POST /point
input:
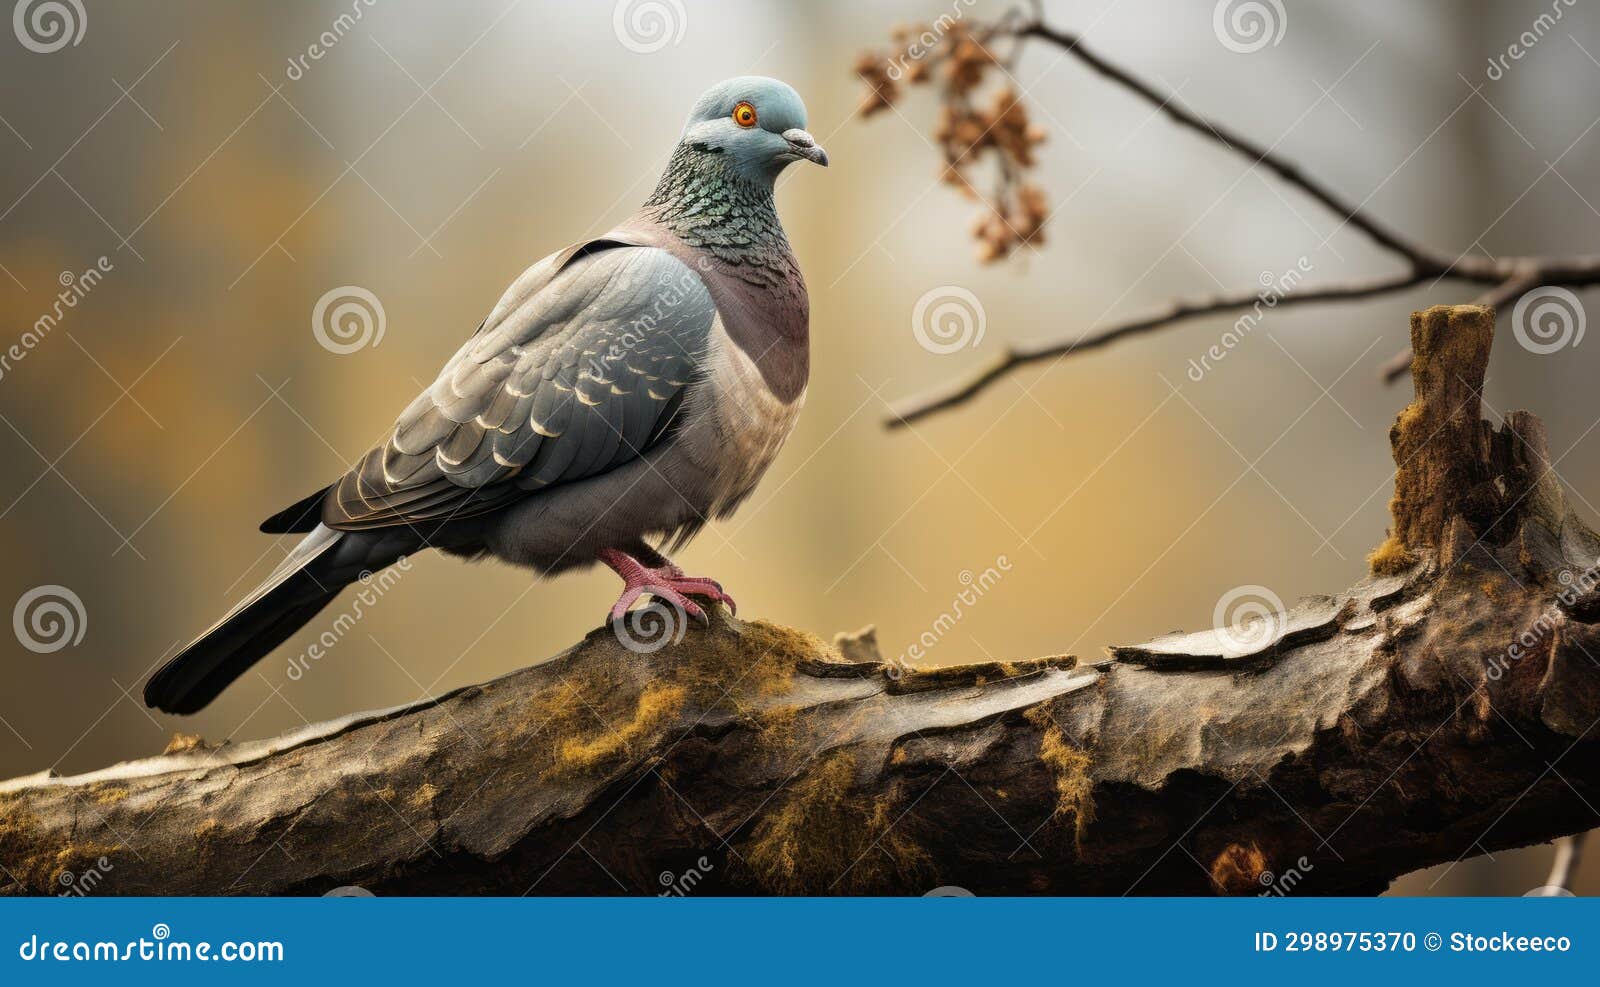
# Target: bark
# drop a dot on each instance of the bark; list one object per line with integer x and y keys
{"x": 1442, "y": 707}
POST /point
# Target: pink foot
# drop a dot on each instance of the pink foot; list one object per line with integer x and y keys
{"x": 666, "y": 582}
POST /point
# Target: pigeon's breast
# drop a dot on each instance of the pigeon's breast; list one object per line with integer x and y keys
{"x": 759, "y": 293}
{"x": 736, "y": 423}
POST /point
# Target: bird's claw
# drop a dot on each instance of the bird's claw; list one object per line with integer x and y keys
{"x": 620, "y": 608}
{"x": 667, "y": 583}
{"x": 675, "y": 595}
{"x": 708, "y": 588}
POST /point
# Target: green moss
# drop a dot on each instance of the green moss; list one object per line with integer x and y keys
{"x": 24, "y": 854}
{"x": 611, "y": 703}
{"x": 827, "y": 838}
{"x": 1070, "y": 766}
{"x": 423, "y": 797}
{"x": 657, "y": 705}
{"x": 74, "y": 859}
{"x": 107, "y": 795}
{"x": 16, "y": 834}
{"x": 1391, "y": 558}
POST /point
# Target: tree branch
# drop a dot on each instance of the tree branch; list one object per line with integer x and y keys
{"x": 1443, "y": 707}
{"x": 1510, "y": 275}
{"x": 1020, "y": 354}
{"x": 1167, "y": 103}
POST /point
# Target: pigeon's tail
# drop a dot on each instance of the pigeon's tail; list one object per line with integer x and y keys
{"x": 297, "y": 590}
{"x": 298, "y": 518}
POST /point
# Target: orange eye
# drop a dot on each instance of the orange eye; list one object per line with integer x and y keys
{"x": 744, "y": 115}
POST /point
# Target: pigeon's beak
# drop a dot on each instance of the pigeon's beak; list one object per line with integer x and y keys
{"x": 803, "y": 145}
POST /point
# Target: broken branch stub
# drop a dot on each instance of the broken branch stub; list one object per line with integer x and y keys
{"x": 1462, "y": 485}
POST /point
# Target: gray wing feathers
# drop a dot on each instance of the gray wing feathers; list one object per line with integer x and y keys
{"x": 577, "y": 378}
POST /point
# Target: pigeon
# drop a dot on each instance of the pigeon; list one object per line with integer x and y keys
{"x": 622, "y": 393}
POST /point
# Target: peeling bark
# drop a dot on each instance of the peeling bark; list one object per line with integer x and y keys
{"x": 1443, "y": 707}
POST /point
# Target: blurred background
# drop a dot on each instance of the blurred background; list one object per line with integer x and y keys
{"x": 221, "y": 179}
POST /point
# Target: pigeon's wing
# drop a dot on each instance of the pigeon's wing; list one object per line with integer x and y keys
{"x": 572, "y": 375}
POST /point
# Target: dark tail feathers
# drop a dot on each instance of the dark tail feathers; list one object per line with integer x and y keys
{"x": 298, "y": 518}
{"x": 296, "y": 592}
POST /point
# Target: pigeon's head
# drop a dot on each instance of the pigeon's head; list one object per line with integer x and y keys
{"x": 758, "y": 123}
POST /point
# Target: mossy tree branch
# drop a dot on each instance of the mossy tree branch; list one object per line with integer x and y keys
{"x": 1441, "y": 708}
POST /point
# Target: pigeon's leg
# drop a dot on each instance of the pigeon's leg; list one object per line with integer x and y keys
{"x": 655, "y": 575}
{"x": 698, "y": 585}
{"x": 639, "y": 579}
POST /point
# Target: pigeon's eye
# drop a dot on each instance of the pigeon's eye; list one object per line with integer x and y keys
{"x": 744, "y": 115}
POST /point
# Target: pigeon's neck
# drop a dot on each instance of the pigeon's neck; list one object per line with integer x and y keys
{"x": 709, "y": 205}
{"x": 725, "y": 225}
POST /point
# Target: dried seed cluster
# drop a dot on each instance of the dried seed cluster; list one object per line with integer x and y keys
{"x": 961, "y": 57}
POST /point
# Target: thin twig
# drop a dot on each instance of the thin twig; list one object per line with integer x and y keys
{"x": 1021, "y": 354}
{"x": 1168, "y": 104}
{"x": 1509, "y": 276}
